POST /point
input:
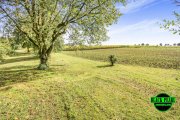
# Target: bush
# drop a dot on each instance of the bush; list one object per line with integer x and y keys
{"x": 112, "y": 59}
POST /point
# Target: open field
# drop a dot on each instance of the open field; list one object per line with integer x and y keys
{"x": 73, "y": 48}
{"x": 77, "y": 88}
{"x": 163, "y": 57}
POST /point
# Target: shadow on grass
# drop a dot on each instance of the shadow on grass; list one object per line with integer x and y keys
{"x": 17, "y": 74}
{"x": 20, "y": 54}
{"x": 57, "y": 65}
{"x": 19, "y": 67}
{"x": 5, "y": 88}
{"x": 103, "y": 66}
{"x": 12, "y": 60}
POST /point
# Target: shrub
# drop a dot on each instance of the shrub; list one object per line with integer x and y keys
{"x": 112, "y": 59}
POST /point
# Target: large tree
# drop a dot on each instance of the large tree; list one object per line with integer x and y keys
{"x": 43, "y": 21}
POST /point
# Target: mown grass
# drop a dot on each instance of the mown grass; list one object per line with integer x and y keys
{"x": 77, "y": 88}
{"x": 162, "y": 57}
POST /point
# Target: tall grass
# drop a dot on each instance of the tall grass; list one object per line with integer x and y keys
{"x": 73, "y": 48}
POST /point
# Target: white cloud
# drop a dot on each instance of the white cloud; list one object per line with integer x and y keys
{"x": 135, "y": 5}
{"x": 147, "y": 31}
{"x": 143, "y": 25}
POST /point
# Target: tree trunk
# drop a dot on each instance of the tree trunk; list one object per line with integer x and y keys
{"x": 28, "y": 50}
{"x": 43, "y": 62}
{"x": 44, "y": 54}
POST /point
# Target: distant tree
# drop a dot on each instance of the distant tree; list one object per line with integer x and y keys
{"x": 174, "y": 44}
{"x": 44, "y": 21}
{"x": 22, "y": 40}
{"x": 178, "y": 44}
{"x": 166, "y": 45}
{"x": 147, "y": 44}
{"x": 142, "y": 44}
{"x": 16, "y": 37}
{"x": 160, "y": 44}
{"x": 4, "y": 48}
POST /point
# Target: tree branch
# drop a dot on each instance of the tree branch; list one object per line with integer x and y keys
{"x": 90, "y": 12}
{"x": 18, "y": 27}
{"x": 83, "y": 4}
{"x": 52, "y": 42}
{"x": 177, "y": 2}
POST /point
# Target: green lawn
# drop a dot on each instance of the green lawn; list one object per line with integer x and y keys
{"x": 77, "y": 88}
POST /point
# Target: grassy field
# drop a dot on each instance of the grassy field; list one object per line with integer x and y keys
{"x": 77, "y": 88}
{"x": 163, "y": 57}
{"x": 73, "y": 48}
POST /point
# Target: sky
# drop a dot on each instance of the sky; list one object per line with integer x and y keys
{"x": 140, "y": 23}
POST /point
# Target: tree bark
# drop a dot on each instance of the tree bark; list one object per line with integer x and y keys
{"x": 112, "y": 64}
{"x": 43, "y": 60}
{"x": 28, "y": 50}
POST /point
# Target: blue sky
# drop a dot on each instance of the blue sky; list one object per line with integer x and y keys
{"x": 140, "y": 23}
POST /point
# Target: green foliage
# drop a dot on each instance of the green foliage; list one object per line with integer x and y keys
{"x": 163, "y": 57}
{"x": 112, "y": 59}
{"x": 59, "y": 45}
{"x": 172, "y": 25}
{"x": 4, "y": 48}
